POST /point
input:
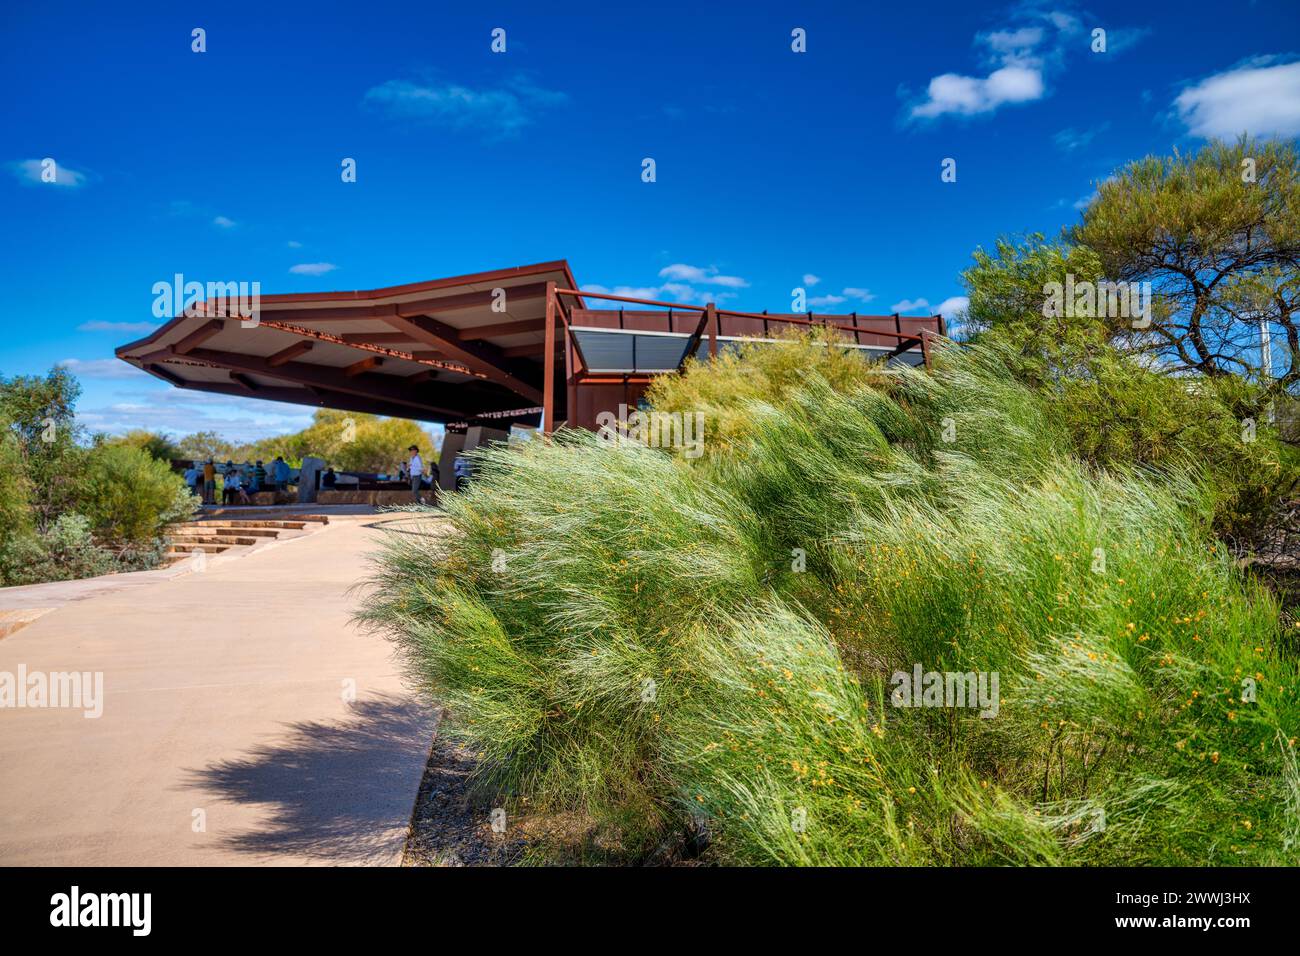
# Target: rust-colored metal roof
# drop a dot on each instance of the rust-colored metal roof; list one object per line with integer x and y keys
{"x": 467, "y": 348}
{"x": 453, "y": 349}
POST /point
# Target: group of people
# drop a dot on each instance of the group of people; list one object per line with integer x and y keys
{"x": 241, "y": 481}
{"x": 238, "y": 481}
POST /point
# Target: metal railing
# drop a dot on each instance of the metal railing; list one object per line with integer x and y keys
{"x": 708, "y": 325}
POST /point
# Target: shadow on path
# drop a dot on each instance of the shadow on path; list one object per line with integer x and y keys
{"x": 333, "y": 791}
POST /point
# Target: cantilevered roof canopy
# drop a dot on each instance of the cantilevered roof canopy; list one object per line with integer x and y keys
{"x": 489, "y": 348}
{"x": 450, "y": 350}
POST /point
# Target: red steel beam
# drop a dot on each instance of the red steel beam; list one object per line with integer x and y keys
{"x": 289, "y": 354}
{"x": 393, "y": 392}
{"x": 365, "y": 365}
{"x": 711, "y": 320}
{"x": 548, "y": 363}
{"x": 200, "y": 335}
{"x": 479, "y": 357}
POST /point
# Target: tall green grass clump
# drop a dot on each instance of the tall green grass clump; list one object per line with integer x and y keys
{"x": 663, "y": 644}
{"x": 556, "y": 624}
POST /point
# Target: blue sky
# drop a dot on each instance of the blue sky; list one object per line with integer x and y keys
{"x": 773, "y": 168}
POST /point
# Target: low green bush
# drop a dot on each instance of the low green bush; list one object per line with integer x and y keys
{"x": 130, "y": 496}
{"x": 65, "y": 551}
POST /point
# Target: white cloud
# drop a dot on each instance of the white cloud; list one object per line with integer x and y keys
{"x": 680, "y": 286}
{"x": 1017, "y": 61}
{"x": 1014, "y": 43}
{"x": 126, "y": 328}
{"x": 182, "y": 412}
{"x": 312, "y": 268}
{"x": 952, "y": 307}
{"x": 223, "y": 222}
{"x": 1065, "y": 22}
{"x": 503, "y": 111}
{"x": 970, "y": 95}
{"x": 1263, "y": 100}
{"x": 294, "y": 244}
{"x": 101, "y": 368}
{"x": 821, "y": 301}
{"x": 668, "y": 292}
{"x": 948, "y": 308}
{"x": 810, "y": 280}
{"x": 852, "y": 292}
{"x": 33, "y": 172}
{"x": 710, "y": 276}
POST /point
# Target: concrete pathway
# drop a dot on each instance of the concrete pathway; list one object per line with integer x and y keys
{"x": 244, "y": 719}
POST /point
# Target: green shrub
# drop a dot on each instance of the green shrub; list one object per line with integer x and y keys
{"x": 724, "y": 388}
{"x": 156, "y": 444}
{"x": 15, "y": 489}
{"x": 39, "y": 413}
{"x": 624, "y": 633}
{"x": 64, "y": 552}
{"x": 130, "y": 497}
{"x": 1119, "y": 414}
{"x": 540, "y": 620}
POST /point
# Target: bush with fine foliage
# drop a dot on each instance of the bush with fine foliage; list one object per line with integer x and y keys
{"x": 65, "y": 551}
{"x": 129, "y": 497}
{"x": 661, "y": 643}
{"x": 15, "y": 488}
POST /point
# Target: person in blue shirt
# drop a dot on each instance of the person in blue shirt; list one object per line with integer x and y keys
{"x": 461, "y": 468}
{"x": 281, "y": 472}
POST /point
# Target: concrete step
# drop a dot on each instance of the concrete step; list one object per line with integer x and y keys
{"x": 203, "y": 530}
{"x": 183, "y": 549}
{"x": 252, "y": 514}
{"x": 188, "y": 529}
{"x": 189, "y": 540}
{"x": 241, "y": 525}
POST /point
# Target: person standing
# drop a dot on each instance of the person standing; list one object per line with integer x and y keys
{"x": 209, "y": 482}
{"x": 417, "y": 473}
{"x": 235, "y": 493}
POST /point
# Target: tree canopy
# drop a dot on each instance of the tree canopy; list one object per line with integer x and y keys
{"x": 1217, "y": 234}
{"x": 1214, "y": 237}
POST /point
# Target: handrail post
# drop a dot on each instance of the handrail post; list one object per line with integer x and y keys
{"x": 711, "y": 313}
{"x": 548, "y": 364}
